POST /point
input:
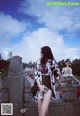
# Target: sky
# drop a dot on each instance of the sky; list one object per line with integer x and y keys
{"x": 28, "y": 25}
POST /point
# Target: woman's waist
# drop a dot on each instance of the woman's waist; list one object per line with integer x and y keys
{"x": 46, "y": 80}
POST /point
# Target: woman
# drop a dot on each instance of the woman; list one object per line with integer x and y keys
{"x": 45, "y": 69}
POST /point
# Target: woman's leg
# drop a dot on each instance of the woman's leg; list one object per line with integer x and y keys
{"x": 39, "y": 106}
{"x": 45, "y": 103}
{"x": 46, "y": 112}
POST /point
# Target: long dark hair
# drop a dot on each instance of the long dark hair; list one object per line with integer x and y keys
{"x": 47, "y": 54}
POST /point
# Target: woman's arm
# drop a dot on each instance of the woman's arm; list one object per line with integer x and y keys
{"x": 56, "y": 72}
{"x": 37, "y": 77}
{"x": 41, "y": 87}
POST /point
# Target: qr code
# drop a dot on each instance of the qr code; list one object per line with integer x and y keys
{"x": 6, "y": 109}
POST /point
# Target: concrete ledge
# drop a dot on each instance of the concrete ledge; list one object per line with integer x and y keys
{"x": 56, "y": 108}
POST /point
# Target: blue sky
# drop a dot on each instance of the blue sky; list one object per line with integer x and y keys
{"x": 27, "y": 25}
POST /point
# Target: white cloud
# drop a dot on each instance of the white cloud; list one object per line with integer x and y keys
{"x": 72, "y": 53}
{"x": 56, "y": 18}
{"x": 29, "y": 48}
{"x": 4, "y": 52}
{"x": 9, "y": 28}
{"x": 10, "y": 25}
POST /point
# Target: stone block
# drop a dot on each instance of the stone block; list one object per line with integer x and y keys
{"x": 27, "y": 89}
{"x": 0, "y": 95}
{"x": 5, "y": 97}
{"x": 27, "y": 97}
{"x": 0, "y": 83}
{"x": 56, "y": 108}
{"x": 5, "y": 83}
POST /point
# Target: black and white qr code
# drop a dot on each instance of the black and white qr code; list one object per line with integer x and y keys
{"x": 6, "y": 109}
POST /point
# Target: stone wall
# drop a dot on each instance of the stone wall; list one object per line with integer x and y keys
{"x": 11, "y": 87}
{"x": 16, "y": 89}
{"x": 15, "y": 84}
{"x": 27, "y": 92}
{"x": 4, "y": 65}
{"x": 4, "y": 96}
{"x": 57, "y": 107}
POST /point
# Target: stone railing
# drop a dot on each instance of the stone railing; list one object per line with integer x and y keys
{"x": 11, "y": 87}
{"x": 4, "y": 65}
{"x": 4, "y": 96}
{"x": 4, "y": 90}
{"x": 68, "y": 105}
{"x": 15, "y": 84}
{"x": 16, "y": 89}
{"x": 69, "y": 87}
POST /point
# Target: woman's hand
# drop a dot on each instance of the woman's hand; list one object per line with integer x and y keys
{"x": 41, "y": 87}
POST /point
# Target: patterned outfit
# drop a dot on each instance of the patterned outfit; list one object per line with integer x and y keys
{"x": 46, "y": 74}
